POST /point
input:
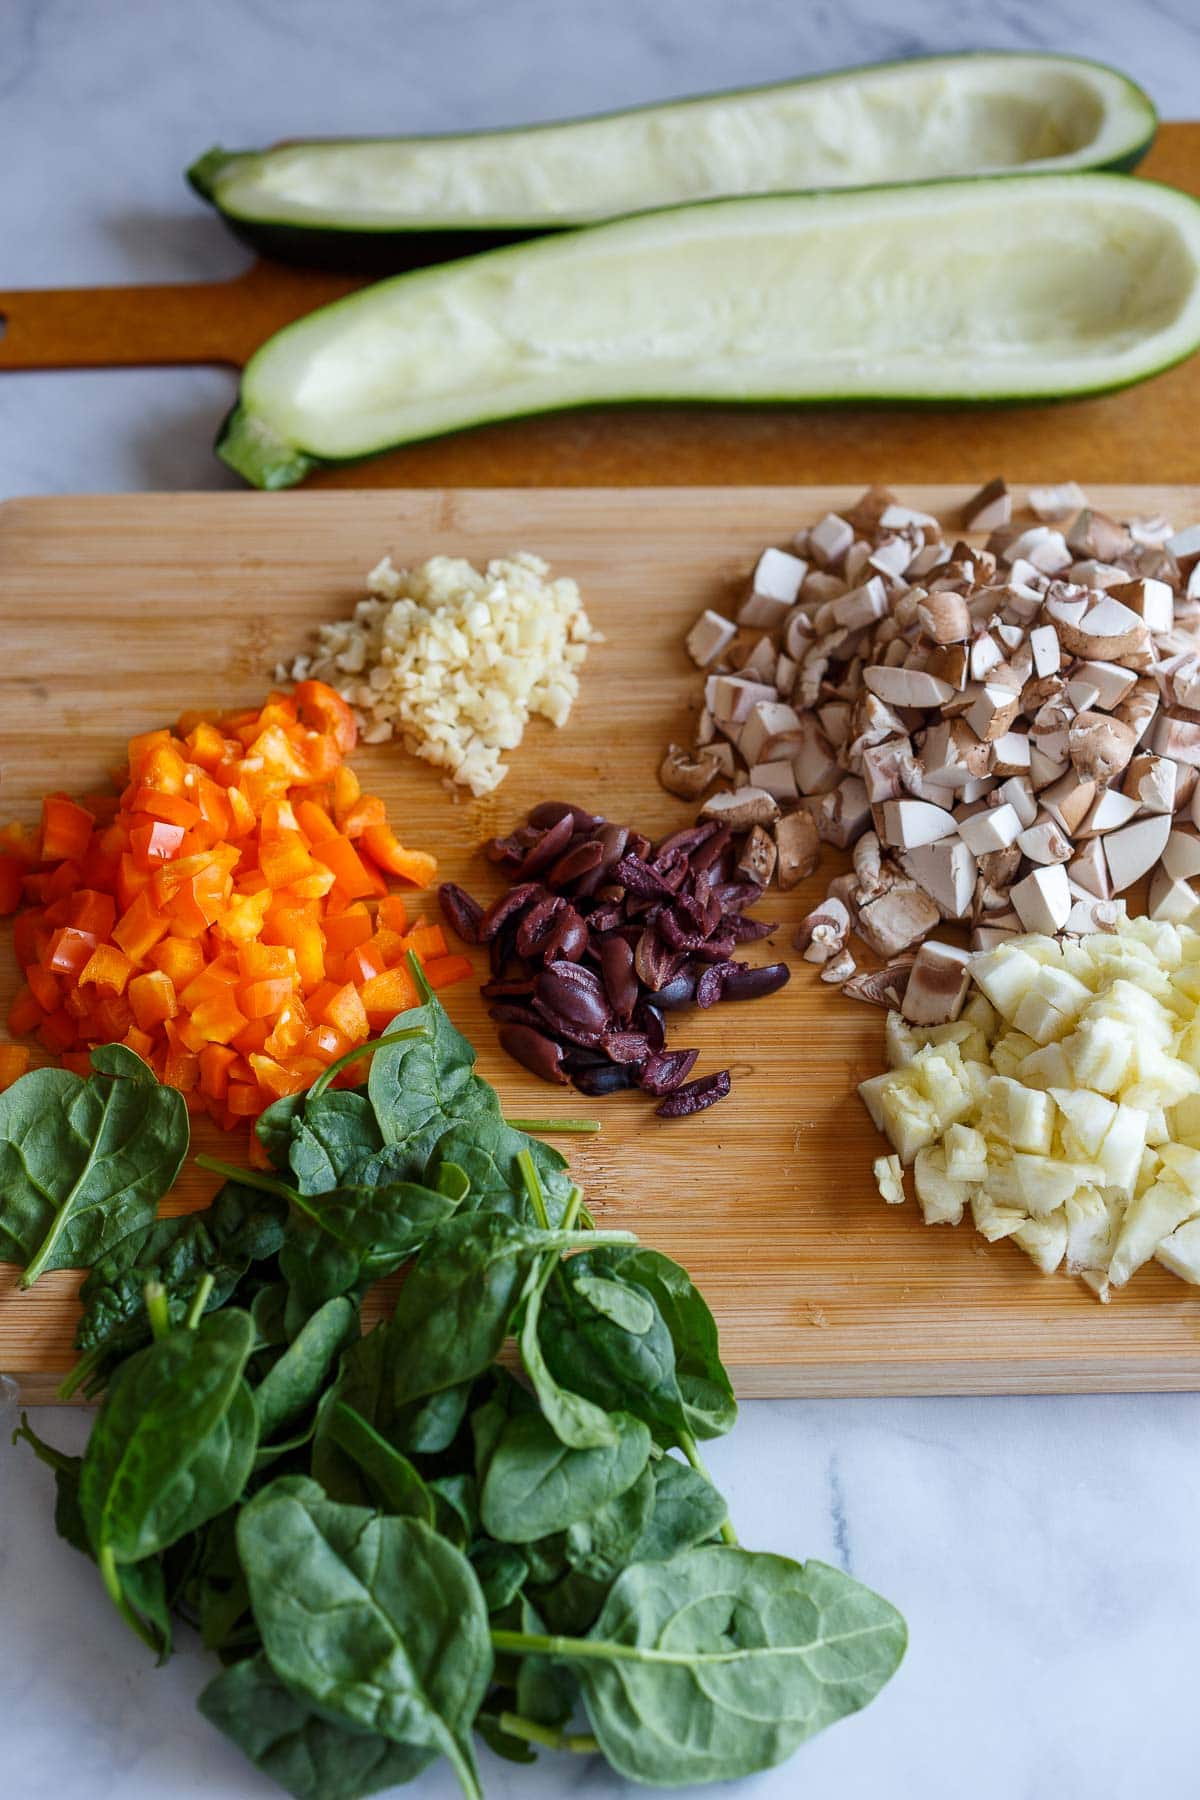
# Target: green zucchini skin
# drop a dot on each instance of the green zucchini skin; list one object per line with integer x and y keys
{"x": 501, "y": 336}
{"x": 335, "y": 242}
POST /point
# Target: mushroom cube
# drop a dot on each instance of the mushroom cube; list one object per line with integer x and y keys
{"x": 1181, "y": 856}
{"x": 815, "y": 765}
{"x": 988, "y": 510}
{"x": 773, "y": 590}
{"x": 709, "y": 637}
{"x": 1044, "y": 842}
{"x": 944, "y": 617}
{"x": 799, "y": 849}
{"x": 1100, "y": 746}
{"x": 1011, "y": 755}
{"x": 732, "y": 698}
{"x": 937, "y": 985}
{"x": 740, "y": 810}
{"x": 758, "y": 857}
{"x": 994, "y": 829}
{"x": 993, "y": 712}
{"x": 900, "y": 917}
{"x": 909, "y": 823}
{"x": 1068, "y": 801}
{"x": 1053, "y": 504}
{"x": 830, "y": 538}
{"x": 985, "y": 655}
{"x": 1176, "y": 737}
{"x": 1134, "y": 849}
{"x": 1047, "y": 656}
{"x": 906, "y": 687}
{"x": 842, "y": 814}
{"x": 1172, "y": 898}
{"x": 771, "y": 728}
{"x": 1040, "y": 545}
{"x": 1089, "y": 870}
{"x": 1018, "y": 793}
{"x": 1043, "y": 899}
{"x": 1151, "y": 600}
{"x": 688, "y": 773}
{"x": 777, "y": 779}
{"x": 1151, "y": 780}
{"x": 1111, "y": 810}
{"x": 947, "y": 872}
{"x": 881, "y": 769}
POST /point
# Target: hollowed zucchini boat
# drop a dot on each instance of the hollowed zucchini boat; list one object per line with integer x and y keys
{"x": 397, "y": 202}
{"x": 1029, "y": 287}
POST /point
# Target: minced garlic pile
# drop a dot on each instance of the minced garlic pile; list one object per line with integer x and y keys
{"x": 455, "y": 661}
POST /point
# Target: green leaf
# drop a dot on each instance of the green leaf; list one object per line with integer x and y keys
{"x": 721, "y": 1662}
{"x": 502, "y": 1571}
{"x": 217, "y": 1590}
{"x": 486, "y": 1149}
{"x": 574, "y": 1419}
{"x": 688, "y": 1511}
{"x": 317, "y": 1269}
{"x": 293, "y": 1745}
{"x": 546, "y": 1691}
{"x": 84, "y": 1162}
{"x": 601, "y": 1545}
{"x": 535, "y": 1485}
{"x": 332, "y": 1139}
{"x": 174, "y": 1441}
{"x": 424, "y": 1082}
{"x": 453, "y": 1312}
{"x": 295, "y": 1382}
{"x": 618, "y": 1302}
{"x": 708, "y": 1401}
{"x": 377, "y": 1620}
{"x": 456, "y": 1507}
{"x": 382, "y": 1226}
{"x": 389, "y": 1476}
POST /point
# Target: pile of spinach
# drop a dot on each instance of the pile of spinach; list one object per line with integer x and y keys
{"x": 392, "y": 1542}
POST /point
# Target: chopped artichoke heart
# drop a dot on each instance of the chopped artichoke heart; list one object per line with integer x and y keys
{"x": 889, "y": 1179}
{"x": 1045, "y": 1240}
{"x": 1181, "y": 1252}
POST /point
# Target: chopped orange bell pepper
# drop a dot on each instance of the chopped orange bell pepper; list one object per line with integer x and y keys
{"x": 106, "y": 967}
{"x": 66, "y": 828}
{"x": 385, "y": 995}
{"x": 14, "y": 1061}
{"x": 12, "y": 876}
{"x": 382, "y": 844}
{"x": 153, "y": 999}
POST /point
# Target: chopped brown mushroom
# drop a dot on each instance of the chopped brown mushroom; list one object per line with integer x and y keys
{"x": 740, "y": 810}
{"x": 758, "y": 857}
{"x": 937, "y": 985}
{"x": 688, "y": 772}
{"x": 799, "y": 849}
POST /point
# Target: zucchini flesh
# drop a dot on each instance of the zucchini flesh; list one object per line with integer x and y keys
{"x": 892, "y": 123}
{"x": 1023, "y": 287}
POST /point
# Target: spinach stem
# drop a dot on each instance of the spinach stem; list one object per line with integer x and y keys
{"x": 513, "y": 1725}
{"x": 107, "y": 1564}
{"x": 251, "y": 1178}
{"x": 156, "y": 1305}
{"x": 195, "y": 1311}
{"x": 58, "y": 1460}
{"x": 574, "y": 1649}
{"x": 533, "y": 1188}
{"x": 90, "y": 1360}
{"x": 368, "y": 1049}
{"x": 574, "y": 1203}
{"x": 579, "y": 1126}
{"x": 687, "y": 1444}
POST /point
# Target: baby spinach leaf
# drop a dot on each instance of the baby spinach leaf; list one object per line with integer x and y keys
{"x": 721, "y": 1662}
{"x": 390, "y": 1478}
{"x": 574, "y": 1419}
{"x": 571, "y": 1604}
{"x": 618, "y": 1302}
{"x": 332, "y": 1139}
{"x": 217, "y": 1591}
{"x": 588, "y": 1352}
{"x": 546, "y": 1691}
{"x": 174, "y": 1442}
{"x": 487, "y": 1150}
{"x": 688, "y": 1511}
{"x": 535, "y": 1485}
{"x": 453, "y": 1312}
{"x": 601, "y": 1545}
{"x": 377, "y": 1620}
{"x": 502, "y": 1571}
{"x": 422, "y": 1080}
{"x": 142, "y": 1583}
{"x": 456, "y": 1508}
{"x": 296, "y": 1381}
{"x": 288, "y": 1739}
{"x": 317, "y": 1269}
{"x": 84, "y": 1161}
{"x": 382, "y": 1226}
{"x": 708, "y": 1402}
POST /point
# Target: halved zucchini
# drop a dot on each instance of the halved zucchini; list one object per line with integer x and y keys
{"x": 396, "y": 202}
{"x": 1027, "y": 287}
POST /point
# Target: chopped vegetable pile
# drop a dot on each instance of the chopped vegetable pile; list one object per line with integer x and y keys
{"x": 1063, "y": 1107}
{"x": 215, "y": 916}
{"x": 390, "y": 1541}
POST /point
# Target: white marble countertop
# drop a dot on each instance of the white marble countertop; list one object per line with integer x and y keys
{"x": 1042, "y": 1549}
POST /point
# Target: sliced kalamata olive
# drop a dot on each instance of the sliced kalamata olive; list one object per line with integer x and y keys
{"x": 620, "y": 981}
{"x": 508, "y": 990}
{"x": 639, "y": 845}
{"x": 626, "y": 1046}
{"x": 696, "y": 1096}
{"x": 579, "y": 860}
{"x": 677, "y": 993}
{"x": 607, "y": 1078}
{"x": 460, "y": 911}
{"x": 505, "y": 964}
{"x": 637, "y": 877}
{"x": 510, "y": 852}
{"x": 534, "y": 1051}
{"x": 606, "y": 916}
{"x": 612, "y": 840}
{"x": 649, "y": 1019}
{"x": 568, "y": 938}
{"x": 548, "y": 848}
{"x": 662, "y": 1074}
{"x": 717, "y": 948}
{"x": 510, "y": 1012}
{"x": 551, "y": 811}
{"x": 749, "y": 931}
{"x": 710, "y": 984}
{"x": 711, "y": 851}
{"x": 503, "y": 909}
{"x": 736, "y": 896}
{"x": 576, "y": 1056}
{"x": 680, "y": 845}
{"x": 753, "y": 984}
{"x": 537, "y": 924}
{"x": 574, "y": 994}
{"x": 654, "y": 960}
{"x": 677, "y": 935}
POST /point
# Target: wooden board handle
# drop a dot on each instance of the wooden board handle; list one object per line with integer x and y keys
{"x": 187, "y": 322}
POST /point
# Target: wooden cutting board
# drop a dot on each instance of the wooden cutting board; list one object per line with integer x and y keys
{"x": 1148, "y": 433}
{"x": 119, "y": 613}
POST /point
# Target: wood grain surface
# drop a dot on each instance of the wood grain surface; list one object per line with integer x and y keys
{"x": 1145, "y": 434}
{"x": 117, "y": 613}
